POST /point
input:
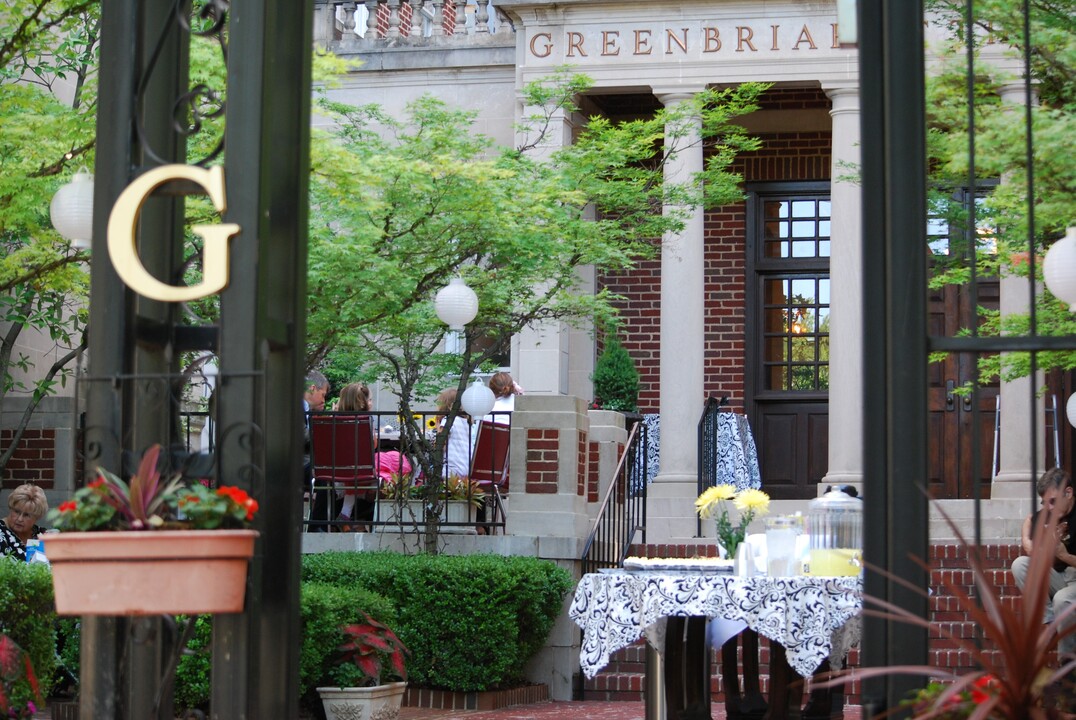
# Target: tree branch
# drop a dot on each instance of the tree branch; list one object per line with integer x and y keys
{"x": 36, "y": 398}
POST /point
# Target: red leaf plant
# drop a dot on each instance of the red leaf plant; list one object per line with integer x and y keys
{"x": 366, "y": 644}
{"x": 1013, "y": 679}
{"x": 15, "y": 666}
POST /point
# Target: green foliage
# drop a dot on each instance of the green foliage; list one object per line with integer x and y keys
{"x": 326, "y": 608}
{"x": 1000, "y": 150}
{"x": 616, "y": 381}
{"x": 400, "y": 205}
{"x": 193, "y": 685}
{"x": 28, "y": 616}
{"x": 68, "y": 639}
{"x": 471, "y": 622}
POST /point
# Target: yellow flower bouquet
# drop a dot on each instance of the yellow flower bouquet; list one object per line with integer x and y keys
{"x": 713, "y": 503}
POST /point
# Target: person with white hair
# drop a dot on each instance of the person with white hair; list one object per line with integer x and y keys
{"x": 26, "y": 505}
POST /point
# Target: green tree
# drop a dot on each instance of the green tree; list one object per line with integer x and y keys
{"x": 47, "y": 52}
{"x": 1003, "y": 237}
{"x": 616, "y": 381}
{"x": 405, "y": 204}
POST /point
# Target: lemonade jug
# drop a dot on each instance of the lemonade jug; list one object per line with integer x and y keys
{"x": 835, "y": 524}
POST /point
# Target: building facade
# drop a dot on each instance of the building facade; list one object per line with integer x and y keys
{"x": 760, "y": 300}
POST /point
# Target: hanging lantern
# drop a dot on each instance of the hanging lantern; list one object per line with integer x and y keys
{"x": 477, "y": 400}
{"x": 456, "y": 304}
{"x": 71, "y": 210}
{"x": 1059, "y": 269}
{"x": 1070, "y": 409}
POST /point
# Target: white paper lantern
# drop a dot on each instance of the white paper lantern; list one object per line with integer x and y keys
{"x": 71, "y": 210}
{"x": 456, "y": 304}
{"x": 477, "y": 400}
{"x": 1059, "y": 269}
{"x": 1070, "y": 409}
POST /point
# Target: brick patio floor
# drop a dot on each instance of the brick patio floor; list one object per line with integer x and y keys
{"x": 563, "y": 711}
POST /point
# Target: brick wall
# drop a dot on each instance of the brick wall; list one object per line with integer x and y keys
{"x": 783, "y": 156}
{"x": 34, "y": 458}
{"x": 542, "y": 444}
{"x": 581, "y": 465}
{"x": 622, "y": 678}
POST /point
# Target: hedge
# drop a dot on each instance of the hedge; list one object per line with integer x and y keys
{"x": 28, "y": 616}
{"x": 472, "y": 622}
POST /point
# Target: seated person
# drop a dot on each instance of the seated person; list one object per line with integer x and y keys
{"x": 26, "y": 505}
{"x": 315, "y": 389}
{"x": 355, "y": 397}
{"x": 458, "y": 447}
{"x": 504, "y": 390}
{"x": 1055, "y": 490}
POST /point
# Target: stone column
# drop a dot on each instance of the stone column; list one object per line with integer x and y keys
{"x": 1018, "y": 400}
{"x": 670, "y": 503}
{"x": 846, "y": 294}
{"x": 542, "y": 353}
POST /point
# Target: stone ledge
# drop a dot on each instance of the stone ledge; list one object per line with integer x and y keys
{"x": 486, "y": 700}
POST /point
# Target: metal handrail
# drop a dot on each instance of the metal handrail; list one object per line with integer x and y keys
{"x": 623, "y": 510}
{"x": 707, "y": 448}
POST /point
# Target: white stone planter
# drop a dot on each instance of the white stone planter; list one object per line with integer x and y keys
{"x": 409, "y": 515}
{"x": 381, "y": 702}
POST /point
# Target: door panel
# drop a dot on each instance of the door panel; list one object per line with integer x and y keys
{"x": 953, "y": 420}
{"x": 793, "y": 444}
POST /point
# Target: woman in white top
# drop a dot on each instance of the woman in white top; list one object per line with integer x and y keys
{"x": 504, "y": 390}
{"x": 458, "y": 447}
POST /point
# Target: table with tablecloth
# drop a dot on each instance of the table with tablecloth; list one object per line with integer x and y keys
{"x": 806, "y": 616}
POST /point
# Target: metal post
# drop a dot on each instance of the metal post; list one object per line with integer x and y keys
{"x": 654, "y": 691}
{"x": 255, "y": 668}
{"x": 894, "y": 272}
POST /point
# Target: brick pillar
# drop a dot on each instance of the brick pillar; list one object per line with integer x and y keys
{"x": 607, "y": 439}
{"x": 548, "y": 467}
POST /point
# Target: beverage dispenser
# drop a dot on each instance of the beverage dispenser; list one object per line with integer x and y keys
{"x": 835, "y": 524}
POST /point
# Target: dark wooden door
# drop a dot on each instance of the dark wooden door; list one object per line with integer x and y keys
{"x": 955, "y": 419}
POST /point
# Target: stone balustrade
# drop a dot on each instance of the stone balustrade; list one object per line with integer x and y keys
{"x": 379, "y": 23}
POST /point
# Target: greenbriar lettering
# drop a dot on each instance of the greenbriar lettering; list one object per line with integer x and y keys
{"x": 681, "y": 41}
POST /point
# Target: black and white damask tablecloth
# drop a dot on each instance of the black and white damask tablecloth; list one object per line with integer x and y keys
{"x": 807, "y": 615}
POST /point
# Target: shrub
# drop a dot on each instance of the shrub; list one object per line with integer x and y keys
{"x": 616, "y": 381}
{"x": 326, "y": 608}
{"x": 28, "y": 616}
{"x": 192, "y": 686}
{"x": 479, "y": 620}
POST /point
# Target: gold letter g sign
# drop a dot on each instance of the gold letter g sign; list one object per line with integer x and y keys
{"x": 123, "y": 226}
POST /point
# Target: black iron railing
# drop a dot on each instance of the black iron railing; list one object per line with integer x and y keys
{"x": 622, "y": 514}
{"x": 707, "y": 448}
{"x": 397, "y": 502}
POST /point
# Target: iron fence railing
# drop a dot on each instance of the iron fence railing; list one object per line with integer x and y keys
{"x": 622, "y": 514}
{"x": 708, "y": 448}
{"x": 387, "y": 508}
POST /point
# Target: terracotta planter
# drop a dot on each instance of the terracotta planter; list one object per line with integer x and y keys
{"x": 381, "y": 702}
{"x": 150, "y": 573}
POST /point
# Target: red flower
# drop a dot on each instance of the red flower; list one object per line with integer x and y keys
{"x": 69, "y": 506}
{"x": 983, "y": 689}
{"x": 252, "y": 507}
{"x": 94, "y": 484}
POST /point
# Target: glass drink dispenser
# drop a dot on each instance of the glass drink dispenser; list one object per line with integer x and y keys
{"x": 835, "y": 524}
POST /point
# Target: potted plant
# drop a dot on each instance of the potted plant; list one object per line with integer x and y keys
{"x": 153, "y": 545}
{"x": 404, "y": 499}
{"x": 359, "y": 690}
{"x": 20, "y": 695}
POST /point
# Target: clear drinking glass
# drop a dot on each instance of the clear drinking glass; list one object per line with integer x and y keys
{"x": 781, "y": 532}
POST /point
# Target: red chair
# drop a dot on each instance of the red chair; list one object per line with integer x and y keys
{"x": 342, "y": 456}
{"x": 489, "y": 464}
